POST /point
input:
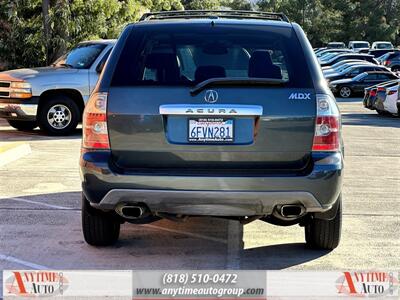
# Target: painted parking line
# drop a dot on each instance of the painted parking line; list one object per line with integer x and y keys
{"x": 38, "y": 203}
{"x": 194, "y": 235}
{"x": 21, "y": 262}
{"x": 10, "y": 152}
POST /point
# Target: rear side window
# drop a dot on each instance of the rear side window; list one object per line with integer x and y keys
{"x": 181, "y": 56}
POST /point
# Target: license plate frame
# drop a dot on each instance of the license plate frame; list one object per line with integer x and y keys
{"x": 229, "y": 138}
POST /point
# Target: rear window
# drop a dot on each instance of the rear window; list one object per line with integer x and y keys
{"x": 182, "y": 56}
{"x": 81, "y": 57}
{"x": 384, "y": 46}
{"x": 361, "y": 45}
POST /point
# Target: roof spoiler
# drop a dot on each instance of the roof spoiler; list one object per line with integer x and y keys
{"x": 232, "y": 14}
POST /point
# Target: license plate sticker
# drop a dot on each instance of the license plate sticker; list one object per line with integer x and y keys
{"x": 211, "y": 130}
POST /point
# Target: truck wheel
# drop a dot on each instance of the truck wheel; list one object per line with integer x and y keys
{"x": 325, "y": 234}
{"x": 99, "y": 228}
{"x": 58, "y": 115}
{"x": 22, "y": 125}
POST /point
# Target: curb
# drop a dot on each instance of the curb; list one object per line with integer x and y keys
{"x": 10, "y": 152}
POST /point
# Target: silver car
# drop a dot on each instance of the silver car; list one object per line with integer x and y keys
{"x": 53, "y": 97}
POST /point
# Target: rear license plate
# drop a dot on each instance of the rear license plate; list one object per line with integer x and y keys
{"x": 211, "y": 130}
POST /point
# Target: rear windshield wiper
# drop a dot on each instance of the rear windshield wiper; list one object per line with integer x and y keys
{"x": 67, "y": 65}
{"x": 239, "y": 81}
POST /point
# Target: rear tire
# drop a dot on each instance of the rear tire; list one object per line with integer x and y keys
{"x": 382, "y": 113}
{"x": 22, "y": 125}
{"x": 325, "y": 234}
{"x": 99, "y": 228}
{"x": 58, "y": 115}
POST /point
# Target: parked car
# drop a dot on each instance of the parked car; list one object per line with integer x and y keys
{"x": 369, "y": 96}
{"x": 341, "y": 68}
{"x": 191, "y": 119}
{"x": 382, "y": 104}
{"x": 346, "y": 56}
{"x": 392, "y": 61}
{"x": 357, "y": 46}
{"x": 379, "y": 52}
{"x": 370, "y": 93}
{"x": 53, "y": 97}
{"x": 353, "y": 70}
{"x": 316, "y": 51}
{"x": 340, "y": 64}
{"x": 351, "y": 86}
{"x": 336, "y": 45}
{"x": 382, "y": 45}
{"x": 332, "y": 51}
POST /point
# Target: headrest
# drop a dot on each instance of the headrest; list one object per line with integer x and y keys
{"x": 207, "y": 72}
{"x": 261, "y": 66}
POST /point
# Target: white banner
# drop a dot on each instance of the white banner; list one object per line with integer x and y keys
{"x": 75, "y": 284}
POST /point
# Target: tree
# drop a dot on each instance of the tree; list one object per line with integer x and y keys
{"x": 237, "y": 4}
{"x": 201, "y": 4}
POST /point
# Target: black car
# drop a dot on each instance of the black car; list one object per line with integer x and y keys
{"x": 348, "y": 87}
{"x": 379, "y": 52}
{"x": 354, "y": 70}
{"x": 345, "y": 56}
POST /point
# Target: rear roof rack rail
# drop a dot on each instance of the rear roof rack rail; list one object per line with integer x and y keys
{"x": 231, "y": 14}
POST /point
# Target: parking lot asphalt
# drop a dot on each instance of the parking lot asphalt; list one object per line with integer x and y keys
{"x": 40, "y": 223}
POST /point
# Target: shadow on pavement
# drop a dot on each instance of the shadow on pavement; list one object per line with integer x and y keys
{"x": 277, "y": 257}
{"x": 370, "y": 120}
{"x": 11, "y": 134}
{"x": 199, "y": 243}
{"x": 348, "y": 100}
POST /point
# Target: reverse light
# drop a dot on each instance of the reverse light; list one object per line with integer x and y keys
{"x": 95, "y": 132}
{"x": 20, "y": 90}
{"x": 327, "y": 125}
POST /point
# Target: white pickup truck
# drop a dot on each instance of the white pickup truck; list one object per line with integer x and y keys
{"x": 53, "y": 97}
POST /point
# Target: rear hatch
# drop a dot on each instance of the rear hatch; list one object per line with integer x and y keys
{"x": 207, "y": 98}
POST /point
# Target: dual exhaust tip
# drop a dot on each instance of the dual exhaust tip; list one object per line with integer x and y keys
{"x": 136, "y": 211}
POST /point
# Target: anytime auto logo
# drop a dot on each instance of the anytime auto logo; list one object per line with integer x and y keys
{"x": 35, "y": 283}
{"x": 367, "y": 284}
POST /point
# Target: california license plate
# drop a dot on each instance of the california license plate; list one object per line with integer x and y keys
{"x": 211, "y": 130}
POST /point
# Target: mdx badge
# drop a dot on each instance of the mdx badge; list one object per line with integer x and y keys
{"x": 211, "y": 96}
{"x": 300, "y": 96}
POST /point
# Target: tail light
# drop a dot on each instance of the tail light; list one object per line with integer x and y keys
{"x": 95, "y": 133}
{"x": 387, "y": 62}
{"x": 327, "y": 127}
{"x": 391, "y": 92}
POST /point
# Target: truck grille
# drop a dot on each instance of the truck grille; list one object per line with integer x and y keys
{"x": 5, "y": 89}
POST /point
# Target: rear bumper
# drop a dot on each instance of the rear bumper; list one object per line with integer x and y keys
{"x": 211, "y": 195}
{"x": 17, "y": 109}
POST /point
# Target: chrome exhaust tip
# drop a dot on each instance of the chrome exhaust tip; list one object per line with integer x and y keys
{"x": 128, "y": 211}
{"x": 291, "y": 211}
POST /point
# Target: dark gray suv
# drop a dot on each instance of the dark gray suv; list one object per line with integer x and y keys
{"x": 212, "y": 113}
